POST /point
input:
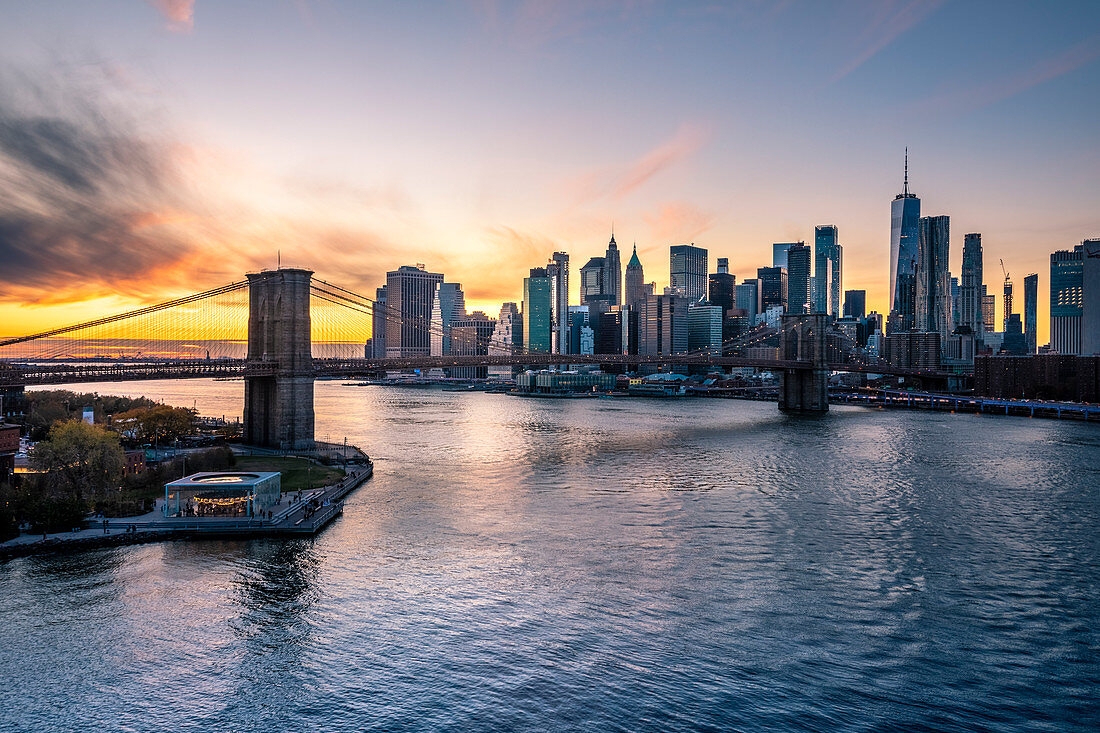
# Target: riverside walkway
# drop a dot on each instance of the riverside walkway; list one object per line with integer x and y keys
{"x": 306, "y": 514}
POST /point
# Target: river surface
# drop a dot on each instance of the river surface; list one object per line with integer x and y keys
{"x": 601, "y": 565}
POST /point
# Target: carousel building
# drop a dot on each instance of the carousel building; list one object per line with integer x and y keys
{"x": 222, "y": 494}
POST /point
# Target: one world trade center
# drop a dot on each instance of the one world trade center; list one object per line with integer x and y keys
{"x": 904, "y": 246}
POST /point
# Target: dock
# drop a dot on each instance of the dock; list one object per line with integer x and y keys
{"x": 306, "y": 514}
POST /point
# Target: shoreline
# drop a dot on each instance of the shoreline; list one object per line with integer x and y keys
{"x": 331, "y": 506}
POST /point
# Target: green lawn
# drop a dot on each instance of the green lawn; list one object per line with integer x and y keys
{"x": 298, "y": 473}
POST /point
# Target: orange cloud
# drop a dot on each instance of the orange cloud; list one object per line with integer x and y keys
{"x": 179, "y": 13}
{"x": 617, "y": 182}
{"x": 678, "y": 221}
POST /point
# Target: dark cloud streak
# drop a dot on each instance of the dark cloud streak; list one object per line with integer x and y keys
{"x": 81, "y": 190}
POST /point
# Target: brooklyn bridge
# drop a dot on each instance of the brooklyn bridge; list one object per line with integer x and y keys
{"x": 279, "y": 330}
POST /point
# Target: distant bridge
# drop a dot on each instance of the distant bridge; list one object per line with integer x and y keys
{"x": 265, "y": 329}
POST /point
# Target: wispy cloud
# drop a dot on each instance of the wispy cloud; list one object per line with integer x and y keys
{"x": 618, "y": 182}
{"x": 887, "y": 23}
{"x": 981, "y": 95}
{"x": 95, "y": 203}
{"x": 678, "y": 221}
{"x": 536, "y": 23}
{"x": 180, "y": 14}
{"x": 84, "y": 196}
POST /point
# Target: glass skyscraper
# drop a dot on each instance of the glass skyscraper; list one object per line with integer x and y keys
{"x": 933, "y": 295}
{"x": 558, "y": 270}
{"x": 771, "y": 288}
{"x": 904, "y": 251}
{"x": 448, "y": 305}
{"x": 1090, "y": 295}
{"x": 745, "y": 298}
{"x": 855, "y": 304}
{"x": 779, "y": 253}
{"x": 1067, "y": 272}
{"x": 592, "y": 280}
{"x": 828, "y": 264}
{"x": 688, "y": 270}
{"x": 410, "y": 292}
{"x": 1031, "y": 313}
{"x": 537, "y": 311}
{"x": 721, "y": 284}
{"x": 970, "y": 292}
{"x": 798, "y": 279}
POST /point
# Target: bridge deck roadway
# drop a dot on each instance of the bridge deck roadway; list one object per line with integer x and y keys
{"x": 40, "y": 374}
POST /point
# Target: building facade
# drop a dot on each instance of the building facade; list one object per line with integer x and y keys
{"x": 904, "y": 252}
{"x": 592, "y": 280}
{"x": 537, "y": 312}
{"x": 558, "y": 271}
{"x": 470, "y": 336}
{"x": 410, "y": 292}
{"x": 799, "y": 288}
{"x": 779, "y": 253}
{"x": 746, "y": 299}
{"x": 688, "y": 270}
{"x": 970, "y": 290}
{"x": 1090, "y": 296}
{"x": 1067, "y": 275}
{"x": 933, "y": 294}
{"x": 855, "y": 304}
{"x": 612, "y": 273}
{"x": 1031, "y": 312}
{"x": 507, "y": 335}
{"x": 448, "y": 304}
{"x": 634, "y": 287}
{"x": 704, "y": 326}
{"x": 379, "y": 316}
{"x": 663, "y": 324}
{"x": 772, "y": 288}
{"x": 720, "y": 286}
{"x": 989, "y": 310}
{"x": 828, "y": 270}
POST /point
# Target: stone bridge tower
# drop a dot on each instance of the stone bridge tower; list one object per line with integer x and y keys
{"x": 804, "y": 390}
{"x": 278, "y": 384}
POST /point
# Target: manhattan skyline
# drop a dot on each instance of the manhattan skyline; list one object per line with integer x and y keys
{"x": 202, "y": 140}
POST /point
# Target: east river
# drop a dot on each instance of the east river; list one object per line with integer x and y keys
{"x": 600, "y": 565}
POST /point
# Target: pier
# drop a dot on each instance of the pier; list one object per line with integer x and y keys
{"x": 305, "y": 514}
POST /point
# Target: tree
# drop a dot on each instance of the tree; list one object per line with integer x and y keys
{"x": 79, "y": 460}
{"x": 160, "y": 422}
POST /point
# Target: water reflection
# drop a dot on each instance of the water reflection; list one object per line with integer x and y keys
{"x": 612, "y": 565}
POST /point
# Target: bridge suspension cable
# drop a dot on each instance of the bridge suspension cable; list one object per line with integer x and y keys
{"x": 211, "y": 323}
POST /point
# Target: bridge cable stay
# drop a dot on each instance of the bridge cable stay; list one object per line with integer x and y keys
{"x": 364, "y": 304}
{"x": 391, "y": 315}
{"x": 213, "y": 322}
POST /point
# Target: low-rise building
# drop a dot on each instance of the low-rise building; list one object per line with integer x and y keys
{"x": 550, "y": 382}
{"x": 222, "y": 494}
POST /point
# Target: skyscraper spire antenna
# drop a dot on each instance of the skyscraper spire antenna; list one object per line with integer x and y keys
{"x": 906, "y": 191}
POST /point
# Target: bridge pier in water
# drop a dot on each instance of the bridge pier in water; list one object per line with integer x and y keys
{"x": 278, "y": 383}
{"x": 804, "y": 390}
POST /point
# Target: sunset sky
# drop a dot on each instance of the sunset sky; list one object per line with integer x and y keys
{"x": 151, "y": 149}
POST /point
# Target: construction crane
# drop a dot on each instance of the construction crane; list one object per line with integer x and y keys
{"x": 1008, "y": 295}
